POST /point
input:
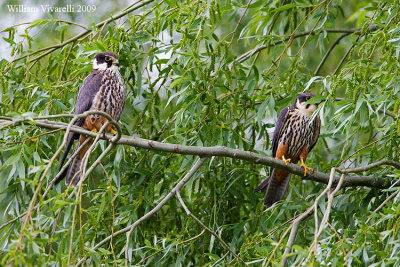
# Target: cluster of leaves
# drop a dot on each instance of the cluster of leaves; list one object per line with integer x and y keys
{"x": 188, "y": 84}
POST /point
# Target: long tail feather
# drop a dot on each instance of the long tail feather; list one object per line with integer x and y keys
{"x": 71, "y": 138}
{"x": 276, "y": 189}
{"x": 73, "y": 170}
{"x": 264, "y": 185}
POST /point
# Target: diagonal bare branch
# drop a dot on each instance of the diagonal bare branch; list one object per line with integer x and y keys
{"x": 256, "y": 50}
{"x": 329, "y": 52}
{"x": 172, "y": 193}
{"x": 295, "y": 224}
{"x": 132, "y": 227}
{"x": 52, "y": 48}
{"x": 207, "y": 229}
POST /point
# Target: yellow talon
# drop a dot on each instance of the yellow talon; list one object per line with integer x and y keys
{"x": 305, "y": 167}
{"x": 285, "y": 160}
{"x": 94, "y": 130}
{"x": 113, "y": 131}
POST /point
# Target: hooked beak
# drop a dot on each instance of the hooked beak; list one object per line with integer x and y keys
{"x": 323, "y": 100}
{"x": 116, "y": 63}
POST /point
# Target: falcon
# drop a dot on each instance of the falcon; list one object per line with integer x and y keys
{"x": 295, "y": 135}
{"x": 103, "y": 90}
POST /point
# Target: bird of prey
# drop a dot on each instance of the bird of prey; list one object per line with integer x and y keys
{"x": 103, "y": 90}
{"x": 296, "y": 133}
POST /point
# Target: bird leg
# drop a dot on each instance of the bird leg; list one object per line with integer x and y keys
{"x": 110, "y": 129}
{"x": 281, "y": 152}
{"x": 306, "y": 168}
{"x": 285, "y": 160}
{"x": 113, "y": 131}
{"x": 100, "y": 122}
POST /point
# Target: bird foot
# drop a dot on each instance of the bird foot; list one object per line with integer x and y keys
{"x": 285, "y": 160}
{"x": 113, "y": 131}
{"x": 306, "y": 168}
{"x": 94, "y": 130}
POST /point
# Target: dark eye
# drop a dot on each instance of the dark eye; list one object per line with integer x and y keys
{"x": 108, "y": 58}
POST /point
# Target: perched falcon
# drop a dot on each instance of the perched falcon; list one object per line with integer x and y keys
{"x": 296, "y": 133}
{"x": 103, "y": 90}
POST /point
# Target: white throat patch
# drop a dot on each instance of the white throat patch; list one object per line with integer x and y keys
{"x": 102, "y": 66}
{"x": 114, "y": 68}
{"x": 306, "y": 111}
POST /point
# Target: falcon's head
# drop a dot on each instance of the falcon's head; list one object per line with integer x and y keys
{"x": 302, "y": 106}
{"x": 105, "y": 60}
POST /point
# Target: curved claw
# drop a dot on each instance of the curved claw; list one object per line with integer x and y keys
{"x": 306, "y": 168}
{"x": 285, "y": 160}
{"x": 113, "y": 131}
{"x": 94, "y": 130}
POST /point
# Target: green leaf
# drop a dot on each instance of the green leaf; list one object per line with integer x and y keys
{"x": 284, "y": 7}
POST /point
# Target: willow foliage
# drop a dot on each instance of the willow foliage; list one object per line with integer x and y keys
{"x": 206, "y": 73}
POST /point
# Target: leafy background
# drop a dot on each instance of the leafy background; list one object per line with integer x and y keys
{"x": 188, "y": 84}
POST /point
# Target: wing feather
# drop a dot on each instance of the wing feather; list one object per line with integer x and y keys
{"x": 277, "y": 131}
{"x": 316, "y": 133}
{"x": 86, "y": 94}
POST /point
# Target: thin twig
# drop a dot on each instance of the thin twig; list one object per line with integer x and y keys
{"x": 370, "y": 28}
{"x": 35, "y": 195}
{"x": 280, "y": 242}
{"x": 113, "y": 211}
{"x": 32, "y": 137}
{"x": 194, "y": 238}
{"x": 277, "y": 61}
{"x": 131, "y": 227}
{"x": 329, "y": 52}
{"x": 393, "y": 195}
{"x": 345, "y": 56}
{"x": 66, "y": 61}
{"x": 256, "y": 50}
{"x": 325, "y": 218}
{"x": 341, "y": 242}
{"x": 47, "y": 20}
{"x": 75, "y": 117}
{"x": 52, "y": 48}
{"x": 181, "y": 183}
{"x": 78, "y": 199}
{"x": 304, "y": 215}
{"x": 221, "y": 259}
{"x": 371, "y": 166}
{"x": 206, "y": 228}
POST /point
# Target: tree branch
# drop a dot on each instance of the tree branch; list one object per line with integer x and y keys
{"x": 329, "y": 52}
{"x": 131, "y": 227}
{"x": 220, "y": 151}
{"x": 295, "y": 225}
{"x": 56, "y": 178}
{"x": 35, "y": 195}
{"x": 371, "y": 166}
{"x": 206, "y": 228}
{"x": 181, "y": 183}
{"x": 345, "y": 56}
{"x": 384, "y": 111}
{"x": 254, "y": 51}
{"x": 393, "y": 195}
{"x": 52, "y": 48}
{"x": 326, "y": 214}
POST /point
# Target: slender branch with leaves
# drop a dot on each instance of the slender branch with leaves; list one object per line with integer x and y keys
{"x": 205, "y": 81}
